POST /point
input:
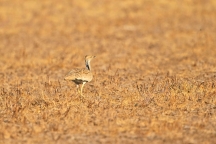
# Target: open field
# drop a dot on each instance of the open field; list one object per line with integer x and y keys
{"x": 154, "y": 74}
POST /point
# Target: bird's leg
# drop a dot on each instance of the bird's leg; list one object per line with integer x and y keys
{"x": 82, "y": 88}
{"x": 81, "y": 95}
{"x": 78, "y": 88}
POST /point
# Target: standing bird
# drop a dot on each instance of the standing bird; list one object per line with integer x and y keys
{"x": 81, "y": 76}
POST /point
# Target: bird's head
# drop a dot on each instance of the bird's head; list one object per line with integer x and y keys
{"x": 89, "y": 58}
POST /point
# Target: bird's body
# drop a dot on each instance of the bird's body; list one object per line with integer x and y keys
{"x": 81, "y": 76}
{"x": 78, "y": 76}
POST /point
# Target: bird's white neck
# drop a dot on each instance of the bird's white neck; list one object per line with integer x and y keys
{"x": 88, "y": 66}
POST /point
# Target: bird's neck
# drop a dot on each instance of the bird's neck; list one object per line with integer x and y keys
{"x": 88, "y": 66}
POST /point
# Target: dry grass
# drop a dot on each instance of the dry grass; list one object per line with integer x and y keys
{"x": 155, "y": 72}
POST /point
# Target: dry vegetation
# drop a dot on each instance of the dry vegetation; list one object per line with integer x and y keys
{"x": 155, "y": 71}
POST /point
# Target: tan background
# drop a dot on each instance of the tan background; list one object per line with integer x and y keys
{"x": 154, "y": 74}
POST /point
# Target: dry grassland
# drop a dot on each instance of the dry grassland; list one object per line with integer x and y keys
{"x": 154, "y": 75}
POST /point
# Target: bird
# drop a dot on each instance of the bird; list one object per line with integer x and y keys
{"x": 81, "y": 76}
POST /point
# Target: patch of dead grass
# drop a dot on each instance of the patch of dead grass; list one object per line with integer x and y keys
{"x": 154, "y": 75}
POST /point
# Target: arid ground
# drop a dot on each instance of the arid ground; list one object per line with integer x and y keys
{"x": 154, "y": 74}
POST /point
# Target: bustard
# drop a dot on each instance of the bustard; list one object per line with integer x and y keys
{"x": 81, "y": 76}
